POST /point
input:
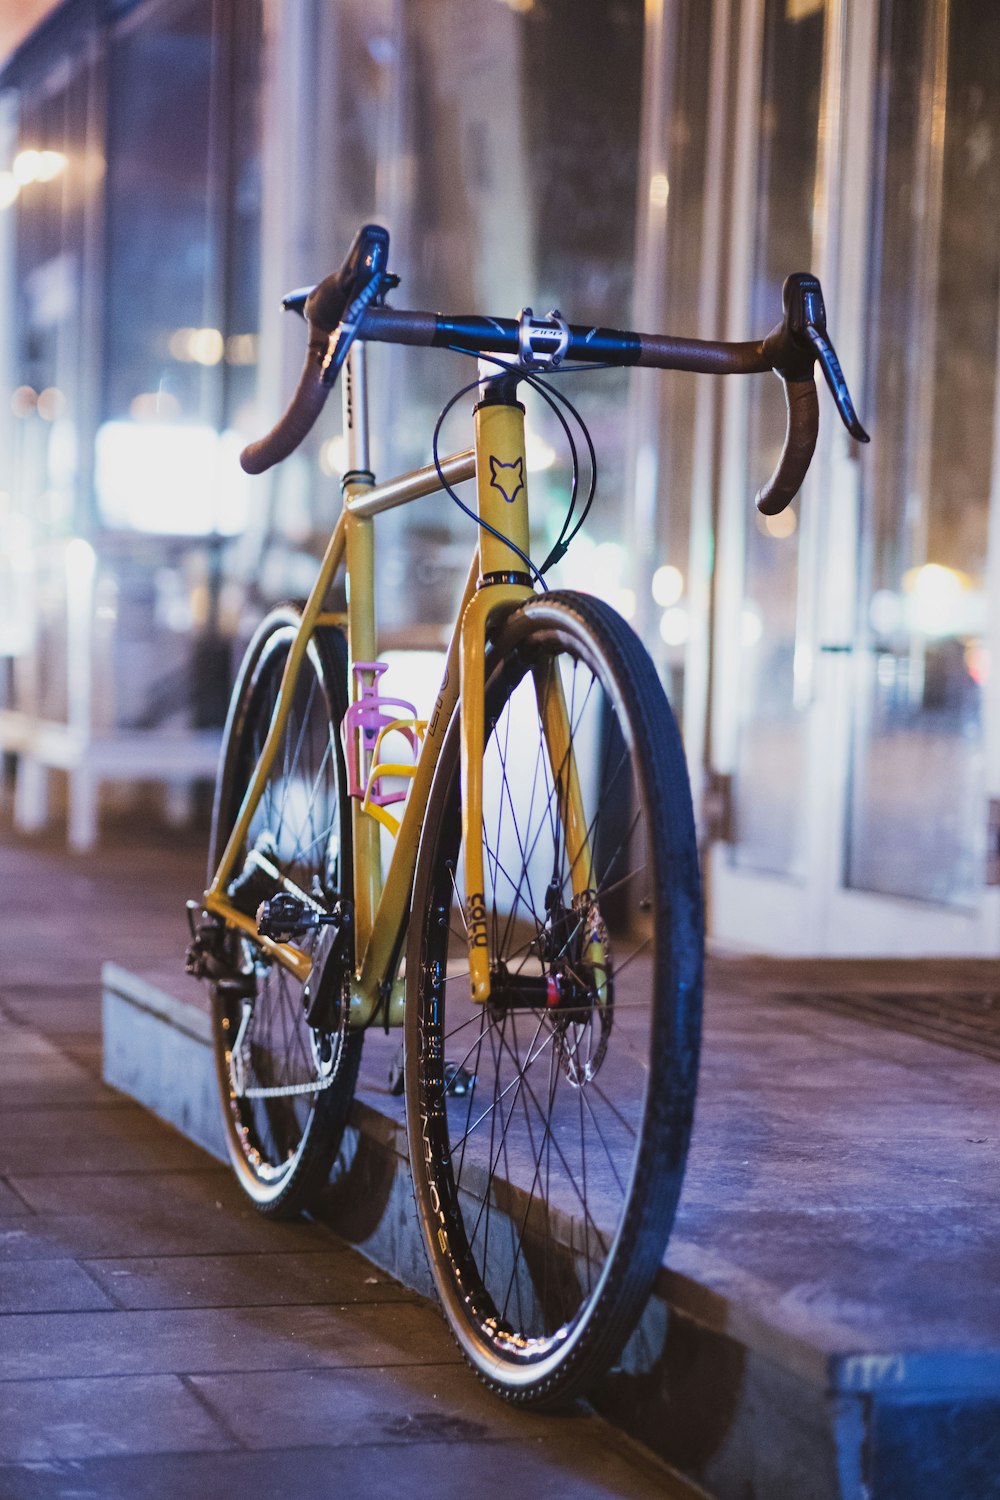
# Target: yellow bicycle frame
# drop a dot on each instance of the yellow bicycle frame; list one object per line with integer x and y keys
{"x": 496, "y": 586}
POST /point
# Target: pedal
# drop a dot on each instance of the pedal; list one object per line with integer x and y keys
{"x": 284, "y": 916}
{"x": 458, "y": 1081}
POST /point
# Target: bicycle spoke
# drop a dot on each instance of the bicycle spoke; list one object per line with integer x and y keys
{"x": 531, "y": 1187}
{"x": 490, "y": 1108}
{"x": 289, "y": 1067}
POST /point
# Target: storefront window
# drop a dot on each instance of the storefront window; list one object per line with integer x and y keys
{"x": 771, "y": 755}
{"x": 918, "y": 775}
{"x": 499, "y": 143}
{"x": 181, "y": 288}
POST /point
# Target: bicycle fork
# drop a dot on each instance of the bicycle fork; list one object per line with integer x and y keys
{"x": 501, "y": 479}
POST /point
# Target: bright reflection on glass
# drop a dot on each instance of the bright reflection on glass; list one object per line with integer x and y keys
{"x": 154, "y": 406}
{"x": 784, "y": 524}
{"x": 624, "y": 601}
{"x": 16, "y": 580}
{"x": 659, "y": 190}
{"x": 609, "y": 561}
{"x": 977, "y": 662}
{"x": 51, "y": 404}
{"x": 333, "y": 456}
{"x": 176, "y": 479}
{"x": 537, "y": 452}
{"x": 241, "y": 349}
{"x": 936, "y": 598}
{"x": 23, "y": 401}
{"x": 599, "y": 569}
{"x": 37, "y": 166}
{"x": 25, "y": 166}
{"x": 751, "y": 625}
{"x": 50, "y": 165}
{"x": 885, "y": 612}
{"x": 675, "y": 627}
{"x": 668, "y": 585}
{"x": 81, "y": 559}
{"x": 200, "y": 346}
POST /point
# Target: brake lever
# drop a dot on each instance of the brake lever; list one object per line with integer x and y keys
{"x": 830, "y": 365}
{"x": 805, "y": 319}
{"x": 371, "y": 294}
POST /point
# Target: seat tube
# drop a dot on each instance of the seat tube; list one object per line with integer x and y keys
{"x": 504, "y": 583}
{"x": 360, "y": 548}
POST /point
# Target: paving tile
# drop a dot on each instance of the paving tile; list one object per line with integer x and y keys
{"x": 277, "y": 1279}
{"x": 51, "y": 988}
{"x": 51, "y": 1345}
{"x": 87, "y": 1052}
{"x": 41, "y": 1421}
{"x": 55, "y": 1014}
{"x": 420, "y": 1471}
{"x": 49, "y": 1286}
{"x": 183, "y": 1230}
{"x": 349, "y": 1408}
{"x": 23, "y": 1042}
{"x": 164, "y": 1193}
{"x": 73, "y": 1088}
{"x": 31, "y": 1059}
{"x": 10, "y": 1202}
{"x": 92, "y": 1140}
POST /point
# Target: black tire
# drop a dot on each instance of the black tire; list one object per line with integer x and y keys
{"x": 286, "y": 1104}
{"x": 541, "y": 1272}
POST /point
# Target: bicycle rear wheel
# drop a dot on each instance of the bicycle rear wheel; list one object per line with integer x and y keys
{"x": 286, "y": 1086}
{"x": 546, "y": 1191}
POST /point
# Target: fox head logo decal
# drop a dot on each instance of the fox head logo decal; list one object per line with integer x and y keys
{"x": 510, "y": 482}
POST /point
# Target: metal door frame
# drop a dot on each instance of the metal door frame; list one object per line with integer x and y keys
{"x": 819, "y": 914}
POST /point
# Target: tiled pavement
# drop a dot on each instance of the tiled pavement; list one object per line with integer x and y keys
{"x": 157, "y": 1339}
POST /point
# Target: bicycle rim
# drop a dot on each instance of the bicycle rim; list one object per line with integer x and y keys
{"x": 546, "y": 1190}
{"x": 286, "y": 1086}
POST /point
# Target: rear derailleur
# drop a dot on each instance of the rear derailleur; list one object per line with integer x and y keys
{"x": 207, "y": 955}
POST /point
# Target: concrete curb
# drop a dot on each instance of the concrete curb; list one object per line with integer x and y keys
{"x": 746, "y": 1409}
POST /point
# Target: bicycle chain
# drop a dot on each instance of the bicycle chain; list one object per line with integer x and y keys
{"x": 285, "y": 1090}
{"x": 239, "y": 1064}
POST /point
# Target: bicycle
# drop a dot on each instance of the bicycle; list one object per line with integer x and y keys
{"x": 538, "y": 932}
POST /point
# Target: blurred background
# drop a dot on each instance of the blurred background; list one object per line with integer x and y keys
{"x": 168, "y": 168}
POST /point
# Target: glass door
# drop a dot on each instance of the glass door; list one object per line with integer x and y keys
{"x": 919, "y": 767}
{"x": 854, "y": 712}
{"x": 763, "y": 701}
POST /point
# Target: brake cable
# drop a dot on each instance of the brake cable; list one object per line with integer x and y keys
{"x": 550, "y": 395}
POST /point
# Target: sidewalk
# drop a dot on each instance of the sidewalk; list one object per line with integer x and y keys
{"x": 157, "y": 1338}
{"x": 826, "y": 1325}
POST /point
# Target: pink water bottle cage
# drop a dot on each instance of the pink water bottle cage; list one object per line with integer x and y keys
{"x": 367, "y": 716}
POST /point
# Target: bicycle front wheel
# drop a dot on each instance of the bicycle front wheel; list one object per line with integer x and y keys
{"x": 549, "y": 1128}
{"x": 286, "y": 1084}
